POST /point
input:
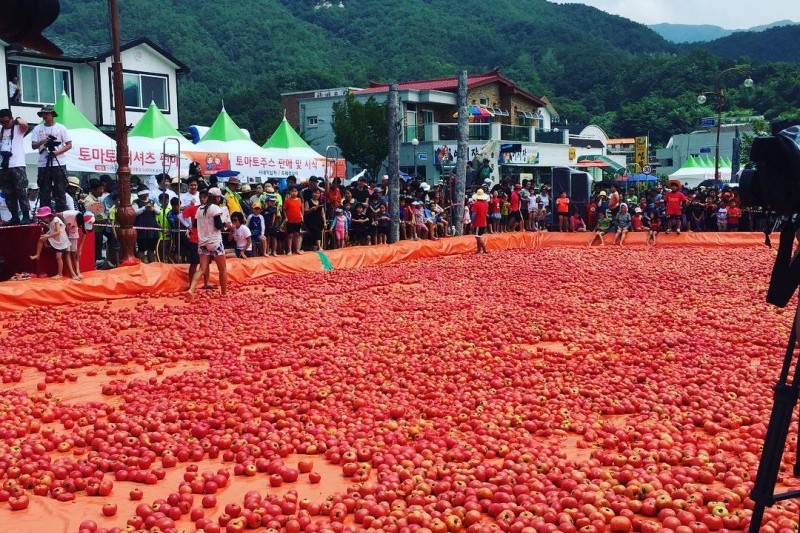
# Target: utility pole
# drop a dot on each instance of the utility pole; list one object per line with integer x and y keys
{"x": 125, "y": 213}
{"x": 463, "y": 155}
{"x": 394, "y": 162}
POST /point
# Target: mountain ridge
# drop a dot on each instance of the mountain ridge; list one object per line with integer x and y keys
{"x": 695, "y": 33}
{"x": 606, "y": 70}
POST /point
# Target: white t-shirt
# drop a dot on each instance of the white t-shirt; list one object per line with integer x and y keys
{"x": 71, "y": 220}
{"x": 544, "y": 199}
{"x": 240, "y": 235}
{"x": 158, "y": 192}
{"x": 188, "y": 199}
{"x": 16, "y": 146}
{"x": 207, "y": 233}
{"x": 60, "y": 241}
{"x": 58, "y": 131}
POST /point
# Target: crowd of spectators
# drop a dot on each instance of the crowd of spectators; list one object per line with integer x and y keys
{"x": 287, "y": 217}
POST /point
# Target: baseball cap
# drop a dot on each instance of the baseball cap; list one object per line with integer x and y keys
{"x": 88, "y": 221}
{"x": 214, "y": 191}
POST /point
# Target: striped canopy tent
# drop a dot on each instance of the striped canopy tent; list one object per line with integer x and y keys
{"x": 697, "y": 169}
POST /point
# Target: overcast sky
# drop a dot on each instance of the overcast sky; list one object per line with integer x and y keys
{"x": 730, "y": 14}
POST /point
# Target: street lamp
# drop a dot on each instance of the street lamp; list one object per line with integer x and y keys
{"x": 719, "y": 94}
{"x": 415, "y": 143}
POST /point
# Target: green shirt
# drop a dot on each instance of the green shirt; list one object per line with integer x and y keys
{"x": 603, "y": 224}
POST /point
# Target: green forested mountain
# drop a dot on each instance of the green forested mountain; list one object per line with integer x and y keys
{"x": 693, "y": 33}
{"x": 773, "y": 44}
{"x": 595, "y": 67}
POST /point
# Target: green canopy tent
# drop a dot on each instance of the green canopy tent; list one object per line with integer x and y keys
{"x": 299, "y": 159}
{"x": 155, "y": 145}
{"x": 226, "y": 147}
{"x": 92, "y": 150}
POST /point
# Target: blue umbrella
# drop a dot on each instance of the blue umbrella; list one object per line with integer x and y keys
{"x": 227, "y": 173}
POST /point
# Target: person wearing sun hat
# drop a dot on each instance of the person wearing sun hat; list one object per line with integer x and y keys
{"x": 232, "y": 196}
{"x": 56, "y": 237}
{"x": 480, "y": 217}
{"x": 73, "y": 192}
{"x": 52, "y": 176}
{"x": 255, "y": 222}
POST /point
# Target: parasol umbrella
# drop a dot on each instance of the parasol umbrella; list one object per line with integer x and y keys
{"x": 592, "y": 163}
{"x": 476, "y": 111}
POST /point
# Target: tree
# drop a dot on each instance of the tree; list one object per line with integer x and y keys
{"x": 362, "y": 132}
{"x": 760, "y": 129}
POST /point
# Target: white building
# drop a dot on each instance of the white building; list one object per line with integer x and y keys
{"x": 84, "y": 73}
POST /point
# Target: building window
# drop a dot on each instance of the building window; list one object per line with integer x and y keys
{"x": 483, "y": 101}
{"x": 427, "y": 116}
{"x": 312, "y": 122}
{"x": 42, "y": 85}
{"x": 141, "y": 89}
{"x": 526, "y": 118}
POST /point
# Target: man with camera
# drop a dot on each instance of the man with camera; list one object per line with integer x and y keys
{"x": 13, "y": 178}
{"x": 52, "y": 141}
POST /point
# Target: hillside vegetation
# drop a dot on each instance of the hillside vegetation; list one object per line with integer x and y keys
{"x": 595, "y": 67}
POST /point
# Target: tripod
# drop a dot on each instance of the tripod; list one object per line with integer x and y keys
{"x": 784, "y": 281}
{"x": 50, "y": 187}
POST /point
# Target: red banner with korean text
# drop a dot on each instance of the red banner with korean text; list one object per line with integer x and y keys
{"x": 211, "y": 161}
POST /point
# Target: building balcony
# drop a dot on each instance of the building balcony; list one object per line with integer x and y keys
{"x": 491, "y": 131}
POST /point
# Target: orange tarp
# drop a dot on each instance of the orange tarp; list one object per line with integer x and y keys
{"x": 159, "y": 278}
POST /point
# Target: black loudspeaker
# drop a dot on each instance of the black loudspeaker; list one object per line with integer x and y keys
{"x": 577, "y": 185}
{"x": 581, "y": 185}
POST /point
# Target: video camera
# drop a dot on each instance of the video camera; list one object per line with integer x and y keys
{"x": 51, "y": 143}
{"x": 774, "y": 183}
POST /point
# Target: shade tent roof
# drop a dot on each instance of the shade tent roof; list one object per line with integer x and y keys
{"x": 286, "y": 137}
{"x": 224, "y": 129}
{"x": 691, "y": 162}
{"x": 70, "y": 116}
{"x": 154, "y": 125}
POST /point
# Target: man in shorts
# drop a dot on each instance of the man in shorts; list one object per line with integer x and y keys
{"x": 480, "y": 212}
{"x": 675, "y": 201}
{"x": 188, "y": 219}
